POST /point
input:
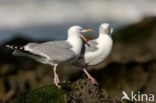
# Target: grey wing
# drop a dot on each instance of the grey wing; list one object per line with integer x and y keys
{"x": 92, "y": 47}
{"x": 30, "y": 55}
{"x": 32, "y": 45}
{"x": 58, "y": 51}
{"x": 86, "y": 49}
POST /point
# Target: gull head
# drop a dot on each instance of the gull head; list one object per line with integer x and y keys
{"x": 77, "y": 31}
{"x": 105, "y": 28}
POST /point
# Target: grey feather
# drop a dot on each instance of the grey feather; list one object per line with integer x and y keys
{"x": 33, "y": 56}
{"x": 32, "y": 45}
{"x": 57, "y": 51}
{"x": 92, "y": 47}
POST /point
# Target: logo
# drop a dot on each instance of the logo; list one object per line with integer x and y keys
{"x": 138, "y": 97}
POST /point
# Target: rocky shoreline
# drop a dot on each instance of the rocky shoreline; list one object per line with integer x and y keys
{"x": 131, "y": 65}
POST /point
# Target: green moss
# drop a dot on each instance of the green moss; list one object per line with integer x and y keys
{"x": 81, "y": 91}
{"x": 48, "y": 94}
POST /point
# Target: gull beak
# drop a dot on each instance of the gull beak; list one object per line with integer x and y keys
{"x": 87, "y": 30}
{"x": 84, "y": 38}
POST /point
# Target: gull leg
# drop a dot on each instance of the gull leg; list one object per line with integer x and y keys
{"x": 56, "y": 78}
{"x": 90, "y": 77}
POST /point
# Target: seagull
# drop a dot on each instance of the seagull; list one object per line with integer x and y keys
{"x": 55, "y": 53}
{"x": 98, "y": 50}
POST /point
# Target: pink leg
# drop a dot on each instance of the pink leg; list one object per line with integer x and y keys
{"x": 56, "y": 78}
{"x": 90, "y": 77}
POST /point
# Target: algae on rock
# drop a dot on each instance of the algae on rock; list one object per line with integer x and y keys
{"x": 81, "y": 91}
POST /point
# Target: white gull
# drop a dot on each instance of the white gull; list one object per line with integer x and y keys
{"x": 98, "y": 50}
{"x": 55, "y": 52}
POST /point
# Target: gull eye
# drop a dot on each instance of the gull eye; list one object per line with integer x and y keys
{"x": 81, "y": 29}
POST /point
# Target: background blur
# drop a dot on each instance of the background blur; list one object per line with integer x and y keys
{"x": 130, "y": 66}
{"x": 50, "y": 19}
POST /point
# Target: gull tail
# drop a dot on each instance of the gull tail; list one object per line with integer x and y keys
{"x": 20, "y": 51}
{"x": 17, "y": 51}
{"x": 15, "y": 47}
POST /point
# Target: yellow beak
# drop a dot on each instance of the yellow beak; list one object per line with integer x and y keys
{"x": 87, "y": 30}
{"x": 84, "y": 38}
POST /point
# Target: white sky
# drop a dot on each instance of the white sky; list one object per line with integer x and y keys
{"x": 19, "y": 14}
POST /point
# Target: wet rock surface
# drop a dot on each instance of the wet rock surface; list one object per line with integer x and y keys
{"x": 86, "y": 92}
{"x": 81, "y": 91}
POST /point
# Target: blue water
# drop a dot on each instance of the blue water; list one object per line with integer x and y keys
{"x": 48, "y": 32}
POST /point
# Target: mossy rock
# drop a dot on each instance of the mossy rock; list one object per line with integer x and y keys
{"x": 47, "y": 94}
{"x": 81, "y": 91}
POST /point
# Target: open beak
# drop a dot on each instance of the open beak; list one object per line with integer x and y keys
{"x": 87, "y": 30}
{"x": 84, "y": 38}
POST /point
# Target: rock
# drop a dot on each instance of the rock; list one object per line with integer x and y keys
{"x": 2, "y": 91}
{"x": 86, "y": 92}
{"x": 5, "y": 69}
{"x": 81, "y": 91}
{"x": 47, "y": 94}
{"x": 150, "y": 86}
{"x": 139, "y": 33}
